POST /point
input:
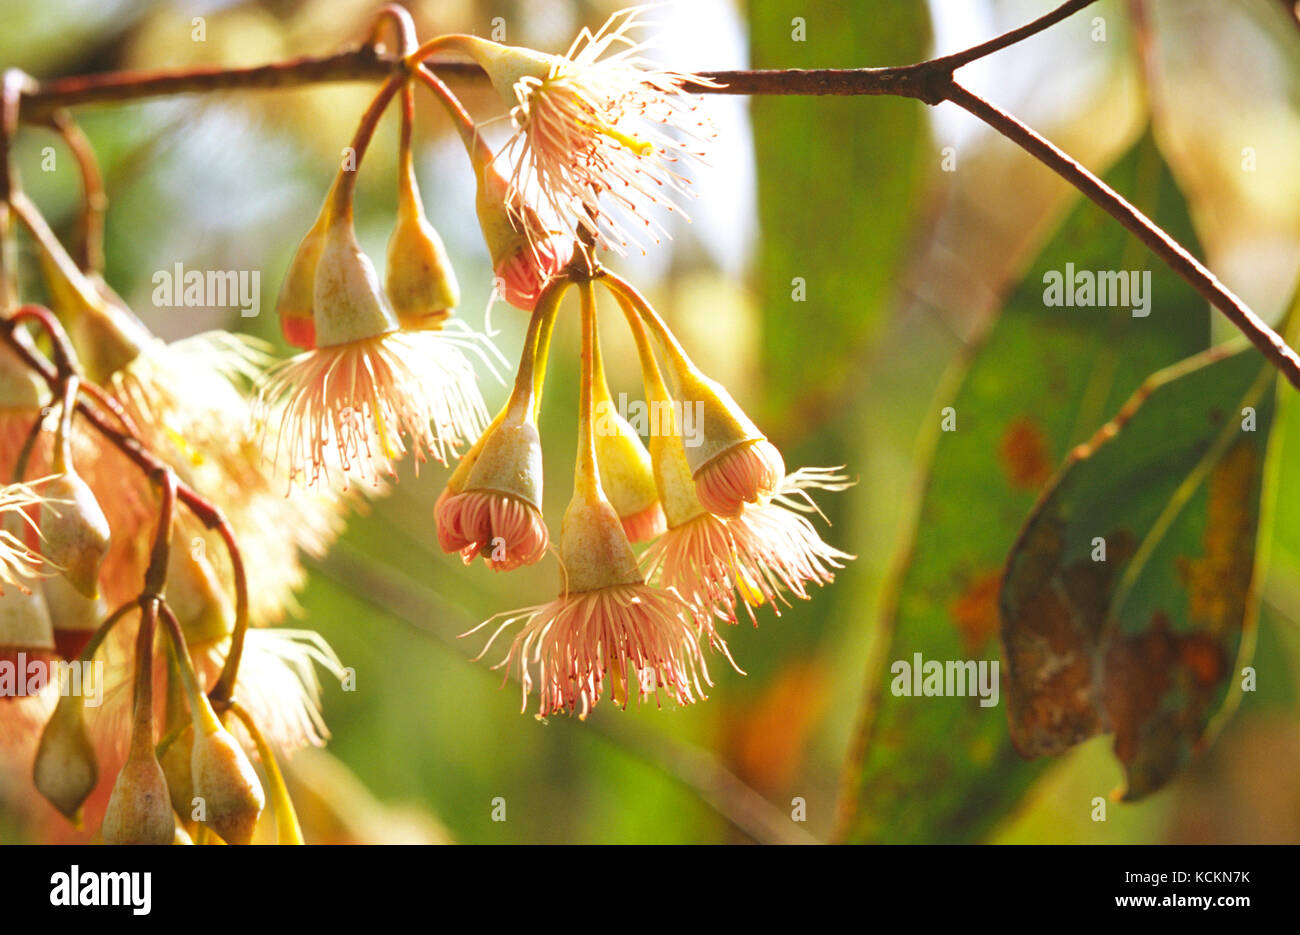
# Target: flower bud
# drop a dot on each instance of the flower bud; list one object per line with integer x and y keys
{"x": 177, "y": 768}
{"x": 139, "y": 809}
{"x": 297, "y": 295}
{"x": 748, "y": 473}
{"x": 521, "y": 276}
{"x": 626, "y": 474}
{"x": 460, "y": 474}
{"x": 348, "y": 304}
{"x": 65, "y": 771}
{"x": 227, "y": 784}
{"x": 74, "y": 531}
{"x": 449, "y": 536}
{"x": 507, "y": 65}
{"x": 419, "y": 278}
{"x": 524, "y": 255}
{"x": 511, "y": 462}
{"x": 498, "y": 512}
{"x": 106, "y": 334}
{"x": 109, "y": 340}
{"x": 74, "y": 616}
{"x": 196, "y": 597}
{"x": 594, "y": 548}
{"x": 734, "y": 463}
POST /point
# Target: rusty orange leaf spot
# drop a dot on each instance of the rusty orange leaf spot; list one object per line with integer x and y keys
{"x": 1204, "y": 658}
{"x": 1026, "y": 458}
{"x": 1218, "y": 583}
{"x": 975, "y": 611}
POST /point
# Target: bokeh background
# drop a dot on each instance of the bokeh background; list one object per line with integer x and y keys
{"x": 846, "y": 260}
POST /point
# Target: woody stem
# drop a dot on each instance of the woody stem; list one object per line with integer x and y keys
{"x": 142, "y": 708}
{"x": 202, "y": 509}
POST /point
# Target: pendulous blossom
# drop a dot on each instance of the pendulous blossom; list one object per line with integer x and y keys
{"x": 768, "y": 552}
{"x": 493, "y": 503}
{"x": 608, "y": 626}
{"x": 601, "y": 131}
{"x": 367, "y": 392}
{"x": 733, "y": 534}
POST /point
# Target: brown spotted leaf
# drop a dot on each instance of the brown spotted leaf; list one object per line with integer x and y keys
{"x": 1125, "y": 599}
{"x": 929, "y": 769}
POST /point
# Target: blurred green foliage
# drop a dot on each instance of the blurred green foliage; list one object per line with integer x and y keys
{"x": 1040, "y": 382}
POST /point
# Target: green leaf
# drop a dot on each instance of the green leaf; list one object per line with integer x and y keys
{"x": 838, "y": 179}
{"x": 1126, "y": 596}
{"x": 943, "y": 768}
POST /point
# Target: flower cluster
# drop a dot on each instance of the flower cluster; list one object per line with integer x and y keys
{"x": 724, "y": 523}
{"x": 599, "y": 135}
{"x": 97, "y": 445}
{"x": 160, "y": 498}
{"x": 145, "y": 546}
{"x": 383, "y": 369}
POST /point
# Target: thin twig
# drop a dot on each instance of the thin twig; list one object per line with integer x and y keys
{"x": 94, "y": 203}
{"x": 40, "y": 99}
{"x": 931, "y": 81}
{"x": 1019, "y": 34}
{"x": 364, "y": 63}
{"x": 1269, "y": 342}
{"x": 207, "y": 513}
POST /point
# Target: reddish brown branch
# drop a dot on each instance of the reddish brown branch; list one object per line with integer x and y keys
{"x": 957, "y": 59}
{"x": 40, "y": 99}
{"x": 207, "y": 513}
{"x": 94, "y": 203}
{"x": 923, "y": 80}
{"x": 1269, "y": 342}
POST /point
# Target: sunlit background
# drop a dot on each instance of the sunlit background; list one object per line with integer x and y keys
{"x": 844, "y": 259}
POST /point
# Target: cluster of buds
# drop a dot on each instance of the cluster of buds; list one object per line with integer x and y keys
{"x": 72, "y": 673}
{"x": 382, "y": 368}
{"x": 599, "y": 136}
{"x": 724, "y": 523}
{"x": 101, "y": 423}
{"x": 216, "y": 787}
{"x": 148, "y": 479}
